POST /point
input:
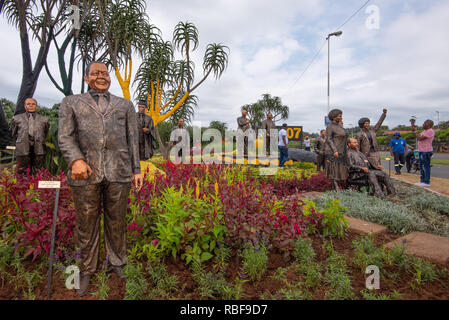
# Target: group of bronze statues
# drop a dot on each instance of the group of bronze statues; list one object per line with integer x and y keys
{"x": 355, "y": 159}
{"x": 103, "y": 140}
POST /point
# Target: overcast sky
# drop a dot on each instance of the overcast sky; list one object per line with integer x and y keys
{"x": 402, "y": 65}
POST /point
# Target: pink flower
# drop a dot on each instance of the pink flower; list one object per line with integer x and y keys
{"x": 155, "y": 242}
{"x": 297, "y": 229}
{"x": 283, "y": 217}
{"x": 276, "y": 225}
{"x": 133, "y": 227}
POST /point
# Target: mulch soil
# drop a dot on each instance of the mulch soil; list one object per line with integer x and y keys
{"x": 187, "y": 288}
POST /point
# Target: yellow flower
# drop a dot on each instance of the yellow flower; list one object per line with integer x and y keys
{"x": 216, "y": 189}
{"x": 197, "y": 190}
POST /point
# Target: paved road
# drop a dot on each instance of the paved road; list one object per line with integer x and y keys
{"x": 435, "y": 155}
{"x": 438, "y": 171}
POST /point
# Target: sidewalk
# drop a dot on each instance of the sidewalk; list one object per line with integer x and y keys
{"x": 438, "y": 185}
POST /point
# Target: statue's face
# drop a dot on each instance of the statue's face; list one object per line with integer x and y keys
{"x": 30, "y": 105}
{"x": 323, "y": 133}
{"x": 353, "y": 144}
{"x": 141, "y": 108}
{"x": 98, "y": 78}
{"x": 366, "y": 125}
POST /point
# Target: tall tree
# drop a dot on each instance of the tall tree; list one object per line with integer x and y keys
{"x": 82, "y": 12}
{"x": 41, "y": 18}
{"x": 258, "y": 111}
{"x": 167, "y": 83}
{"x": 122, "y": 22}
{"x": 220, "y": 126}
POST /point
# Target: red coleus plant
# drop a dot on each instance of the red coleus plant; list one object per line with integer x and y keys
{"x": 27, "y": 213}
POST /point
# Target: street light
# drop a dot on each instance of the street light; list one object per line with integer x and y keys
{"x": 337, "y": 34}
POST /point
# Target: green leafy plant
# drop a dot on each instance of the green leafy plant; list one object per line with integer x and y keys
{"x": 366, "y": 253}
{"x": 213, "y": 285}
{"x": 187, "y": 225}
{"x": 337, "y": 276}
{"x": 369, "y": 295}
{"x": 334, "y": 222}
{"x": 304, "y": 252}
{"x": 136, "y": 283}
{"x": 164, "y": 282}
{"x": 255, "y": 258}
{"x": 101, "y": 279}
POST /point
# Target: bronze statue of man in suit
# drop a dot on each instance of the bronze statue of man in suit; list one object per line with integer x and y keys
{"x": 320, "y": 142}
{"x": 145, "y": 126}
{"x": 29, "y": 131}
{"x": 244, "y": 124}
{"x": 267, "y": 125}
{"x": 98, "y": 138}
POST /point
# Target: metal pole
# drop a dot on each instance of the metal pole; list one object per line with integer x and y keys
{"x": 328, "y": 74}
{"x": 12, "y": 160}
{"x": 52, "y": 247}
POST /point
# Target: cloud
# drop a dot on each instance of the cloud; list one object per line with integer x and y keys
{"x": 402, "y": 65}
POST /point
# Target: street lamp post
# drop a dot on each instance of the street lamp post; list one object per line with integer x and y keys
{"x": 337, "y": 34}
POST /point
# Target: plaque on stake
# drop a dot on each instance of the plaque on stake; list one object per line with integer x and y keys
{"x": 51, "y": 185}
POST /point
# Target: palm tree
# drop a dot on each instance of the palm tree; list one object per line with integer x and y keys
{"x": 220, "y": 126}
{"x": 167, "y": 83}
{"x": 122, "y": 22}
{"x": 275, "y": 106}
{"x": 72, "y": 38}
{"x": 42, "y": 19}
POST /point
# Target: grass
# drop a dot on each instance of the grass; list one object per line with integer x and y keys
{"x": 411, "y": 209}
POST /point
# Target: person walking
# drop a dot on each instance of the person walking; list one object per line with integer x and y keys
{"x": 99, "y": 140}
{"x": 336, "y": 149}
{"x": 283, "y": 145}
{"x": 398, "y": 149}
{"x": 29, "y": 131}
{"x": 319, "y": 150}
{"x": 425, "y": 149}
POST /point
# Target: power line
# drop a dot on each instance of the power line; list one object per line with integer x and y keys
{"x": 322, "y": 46}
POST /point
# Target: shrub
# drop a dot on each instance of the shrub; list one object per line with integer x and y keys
{"x": 28, "y": 214}
{"x": 397, "y": 218}
{"x": 255, "y": 258}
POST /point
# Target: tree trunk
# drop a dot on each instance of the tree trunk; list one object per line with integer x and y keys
{"x": 30, "y": 75}
{"x": 164, "y": 150}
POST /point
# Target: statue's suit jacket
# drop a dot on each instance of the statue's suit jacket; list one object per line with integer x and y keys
{"x": 20, "y": 134}
{"x": 108, "y": 142}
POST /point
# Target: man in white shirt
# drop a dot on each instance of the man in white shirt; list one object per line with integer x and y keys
{"x": 283, "y": 145}
{"x": 307, "y": 143}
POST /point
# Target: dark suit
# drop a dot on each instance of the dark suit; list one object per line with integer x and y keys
{"x": 5, "y": 134}
{"x": 357, "y": 161}
{"x": 242, "y": 125}
{"x": 319, "y": 150}
{"x": 267, "y": 125}
{"x": 30, "y": 144}
{"x": 146, "y": 139}
{"x": 108, "y": 141}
